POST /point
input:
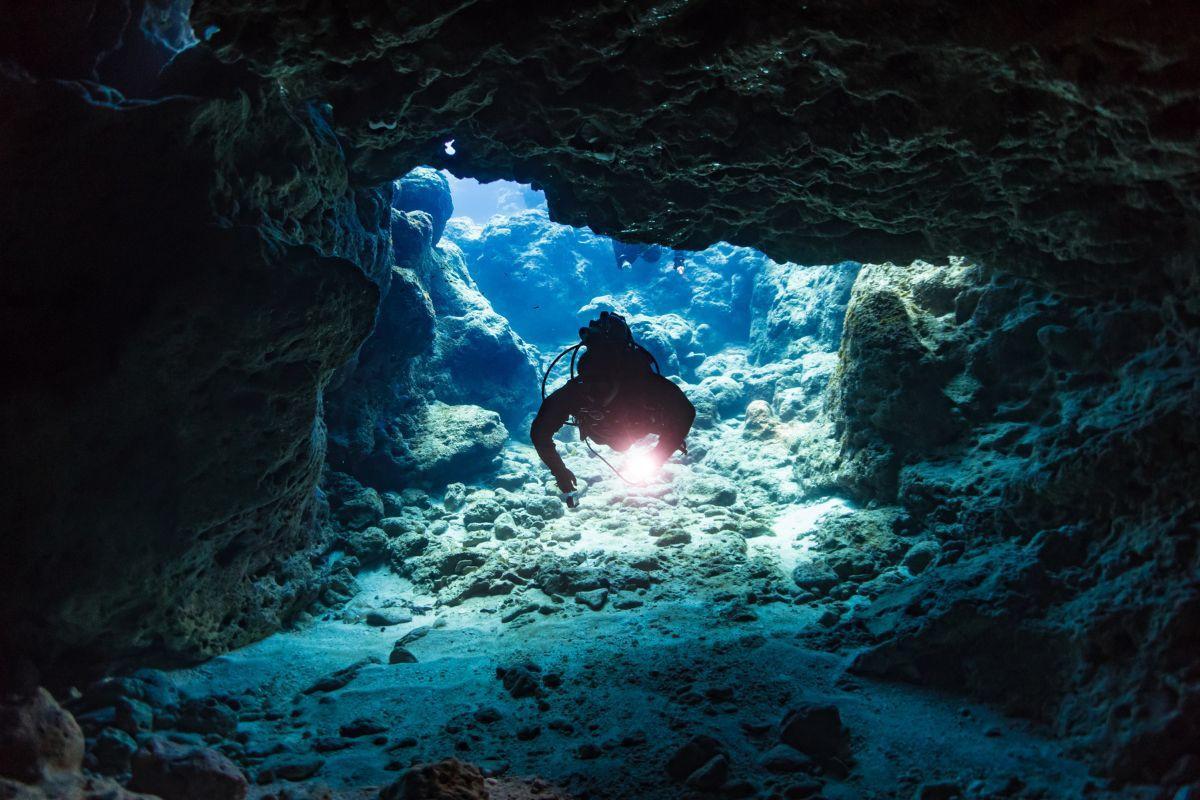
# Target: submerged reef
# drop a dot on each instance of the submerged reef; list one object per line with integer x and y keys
{"x": 927, "y": 272}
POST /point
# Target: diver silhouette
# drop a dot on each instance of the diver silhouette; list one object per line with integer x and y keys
{"x": 618, "y": 397}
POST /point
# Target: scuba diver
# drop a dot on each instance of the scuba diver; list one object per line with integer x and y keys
{"x": 627, "y": 254}
{"x": 618, "y": 397}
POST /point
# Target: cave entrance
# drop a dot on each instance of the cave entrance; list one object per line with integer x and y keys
{"x": 657, "y": 636}
{"x": 752, "y": 342}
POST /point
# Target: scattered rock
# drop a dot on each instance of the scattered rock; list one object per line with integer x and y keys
{"x": 712, "y": 775}
{"x": 401, "y": 655}
{"x": 487, "y": 716}
{"x": 361, "y": 727}
{"x": 330, "y": 744}
{"x": 446, "y": 780}
{"x": 386, "y": 617}
{"x": 674, "y": 538}
{"x": 920, "y": 556}
{"x": 815, "y": 576}
{"x": 692, "y": 756}
{"x": 760, "y": 421}
{"x": 113, "y": 750}
{"x": 360, "y": 510}
{"x": 519, "y": 681}
{"x": 782, "y": 760}
{"x": 802, "y": 790}
{"x": 594, "y": 599}
{"x": 37, "y": 738}
{"x": 482, "y": 512}
{"x": 828, "y": 618}
{"x": 180, "y": 772}
{"x": 291, "y": 768}
{"x": 711, "y": 490}
{"x": 816, "y": 729}
{"x": 336, "y": 680}
{"x": 132, "y": 716}
{"x": 419, "y": 632}
{"x": 455, "y": 497}
{"x": 938, "y": 791}
{"x": 504, "y": 527}
{"x": 519, "y": 611}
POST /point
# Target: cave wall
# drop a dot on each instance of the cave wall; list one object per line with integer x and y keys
{"x": 431, "y": 395}
{"x": 1049, "y": 450}
{"x": 1057, "y": 141}
{"x": 184, "y": 272}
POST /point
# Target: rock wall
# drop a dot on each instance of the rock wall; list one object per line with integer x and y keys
{"x": 1055, "y": 141}
{"x": 184, "y": 273}
{"x": 1046, "y": 449}
{"x": 428, "y": 397}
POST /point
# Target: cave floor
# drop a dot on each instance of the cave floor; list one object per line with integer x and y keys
{"x": 706, "y": 635}
{"x": 698, "y": 630}
{"x": 635, "y": 684}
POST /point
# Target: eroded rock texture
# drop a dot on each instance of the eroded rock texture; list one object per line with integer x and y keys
{"x": 1054, "y": 140}
{"x": 423, "y": 400}
{"x": 186, "y": 271}
{"x": 1050, "y": 448}
{"x": 183, "y": 275}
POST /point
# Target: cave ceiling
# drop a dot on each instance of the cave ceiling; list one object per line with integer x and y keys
{"x": 1056, "y": 138}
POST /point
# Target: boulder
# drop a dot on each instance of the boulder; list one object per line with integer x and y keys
{"x": 445, "y": 780}
{"x": 814, "y": 576}
{"x": 476, "y": 357}
{"x": 425, "y": 189}
{"x": 179, "y": 772}
{"x": 354, "y": 506}
{"x": 920, "y": 556}
{"x": 729, "y": 394}
{"x": 693, "y": 756}
{"x": 438, "y": 443}
{"x": 671, "y": 339}
{"x": 816, "y": 730}
{"x": 898, "y": 388}
{"x": 37, "y": 737}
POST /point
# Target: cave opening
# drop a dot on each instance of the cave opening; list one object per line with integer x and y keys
{"x": 468, "y": 607}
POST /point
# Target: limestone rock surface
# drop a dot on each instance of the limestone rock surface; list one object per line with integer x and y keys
{"x": 1057, "y": 141}
{"x": 172, "y": 352}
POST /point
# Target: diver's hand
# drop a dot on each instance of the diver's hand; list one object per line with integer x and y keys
{"x": 566, "y": 485}
{"x": 566, "y": 482}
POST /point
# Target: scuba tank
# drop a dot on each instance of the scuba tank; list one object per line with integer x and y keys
{"x": 609, "y": 346}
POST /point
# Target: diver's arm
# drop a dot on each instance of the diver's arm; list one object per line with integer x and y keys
{"x": 678, "y": 416}
{"x": 550, "y": 418}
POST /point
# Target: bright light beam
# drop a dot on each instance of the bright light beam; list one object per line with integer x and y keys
{"x": 640, "y": 467}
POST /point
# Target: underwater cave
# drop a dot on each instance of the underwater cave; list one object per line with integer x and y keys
{"x": 291, "y": 288}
